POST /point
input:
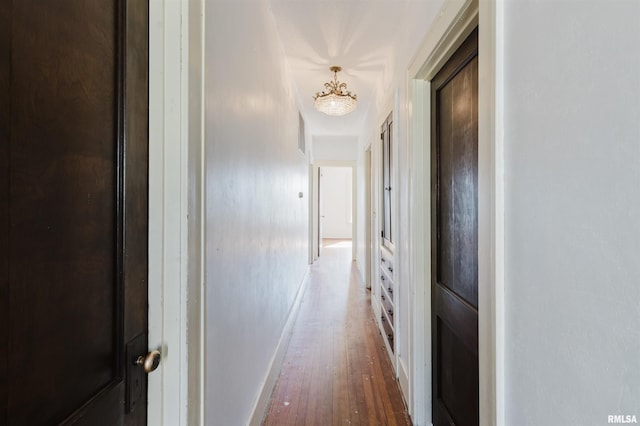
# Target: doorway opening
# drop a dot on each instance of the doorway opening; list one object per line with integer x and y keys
{"x": 336, "y": 203}
{"x": 456, "y": 24}
{"x": 334, "y": 199}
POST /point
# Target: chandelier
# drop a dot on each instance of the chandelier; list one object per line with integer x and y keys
{"x": 336, "y": 99}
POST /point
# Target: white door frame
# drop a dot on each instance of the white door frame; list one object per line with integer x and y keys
{"x": 176, "y": 185}
{"x": 354, "y": 189}
{"x": 368, "y": 222}
{"x": 456, "y": 20}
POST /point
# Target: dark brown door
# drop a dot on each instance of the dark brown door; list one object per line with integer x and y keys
{"x": 73, "y": 211}
{"x": 454, "y": 208}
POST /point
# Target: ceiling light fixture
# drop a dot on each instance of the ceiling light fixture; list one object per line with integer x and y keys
{"x": 336, "y": 100}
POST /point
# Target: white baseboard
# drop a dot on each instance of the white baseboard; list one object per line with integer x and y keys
{"x": 403, "y": 379}
{"x": 262, "y": 403}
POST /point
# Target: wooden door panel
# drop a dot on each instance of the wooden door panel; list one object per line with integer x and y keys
{"x": 63, "y": 231}
{"x": 74, "y": 211}
{"x": 457, "y": 206}
{"x": 136, "y": 170}
{"x": 458, "y": 382}
{"x": 455, "y": 238}
{"x": 459, "y": 315}
{"x": 5, "y": 124}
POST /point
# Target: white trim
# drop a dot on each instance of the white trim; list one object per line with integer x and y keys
{"x": 404, "y": 379}
{"x": 491, "y": 155}
{"x": 420, "y": 266}
{"x": 368, "y": 214}
{"x": 170, "y": 130}
{"x": 313, "y": 249}
{"x": 354, "y": 211}
{"x": 262, "y": 402}
{"x": 395, "y": 198}
{"x": 376, "y": 227}
{"x": 195, "y": 244}
{"x": 315, "y": 206}
{"x": 456, "y": 19}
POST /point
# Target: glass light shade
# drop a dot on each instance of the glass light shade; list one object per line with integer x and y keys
{"x": 336, "y": 100}
{"x": 335, "y": 105}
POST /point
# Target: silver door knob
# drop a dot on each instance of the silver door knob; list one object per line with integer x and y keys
{"x": 150, "y": 361}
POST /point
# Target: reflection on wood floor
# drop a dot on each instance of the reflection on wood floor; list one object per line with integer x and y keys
{"x": 336, "y": 370}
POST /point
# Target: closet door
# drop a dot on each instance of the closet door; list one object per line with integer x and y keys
{"x": 73, "y": 211}
{"x": 454, "y": 185}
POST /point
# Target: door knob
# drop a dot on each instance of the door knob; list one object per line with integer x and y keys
{"x": 150, "y": 361}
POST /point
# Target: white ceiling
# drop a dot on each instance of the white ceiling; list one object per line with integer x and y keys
{"x": 367, "y": 38}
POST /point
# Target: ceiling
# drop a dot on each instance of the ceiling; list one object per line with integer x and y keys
{"x": 367, "y": 38}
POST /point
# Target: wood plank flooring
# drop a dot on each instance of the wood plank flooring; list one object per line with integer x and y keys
{"x": 336, "y": 370}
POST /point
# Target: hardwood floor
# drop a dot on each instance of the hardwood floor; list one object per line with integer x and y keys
{"x": 336, "y": 370}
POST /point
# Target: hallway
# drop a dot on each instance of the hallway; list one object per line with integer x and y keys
{"x": 336, "y": 370}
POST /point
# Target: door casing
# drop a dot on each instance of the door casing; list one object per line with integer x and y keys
{"x": 315, "y": 197}
{"x": 456, "y": 20}
{"x": 176, "y": 184}
{"x": 368, "y": 211}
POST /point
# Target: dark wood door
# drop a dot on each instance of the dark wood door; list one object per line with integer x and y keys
{"x": 73, "y": 211}
{"x": 454, "y": 207}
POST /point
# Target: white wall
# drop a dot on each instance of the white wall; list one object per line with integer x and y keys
{"x": 368, "y": 139}
{"x": 392, "y": 96}
{"x": 336, "y": 193}
{"x": 359, "y": 242}
{"x": 572, "y": 141}
{"x": 255, "y": 224}
{"x": 335, "y": 148}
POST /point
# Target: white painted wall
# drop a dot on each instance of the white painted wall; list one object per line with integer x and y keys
{"x": 368, "y": 139}
{"x": 256, "y": 231}
{"x": 572, "y": 155}
{"x": 391, "y": 96}
{"x": 365, "y": 215}
{"x": 337, "y": 206}
{"x": 335, "y": 148}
